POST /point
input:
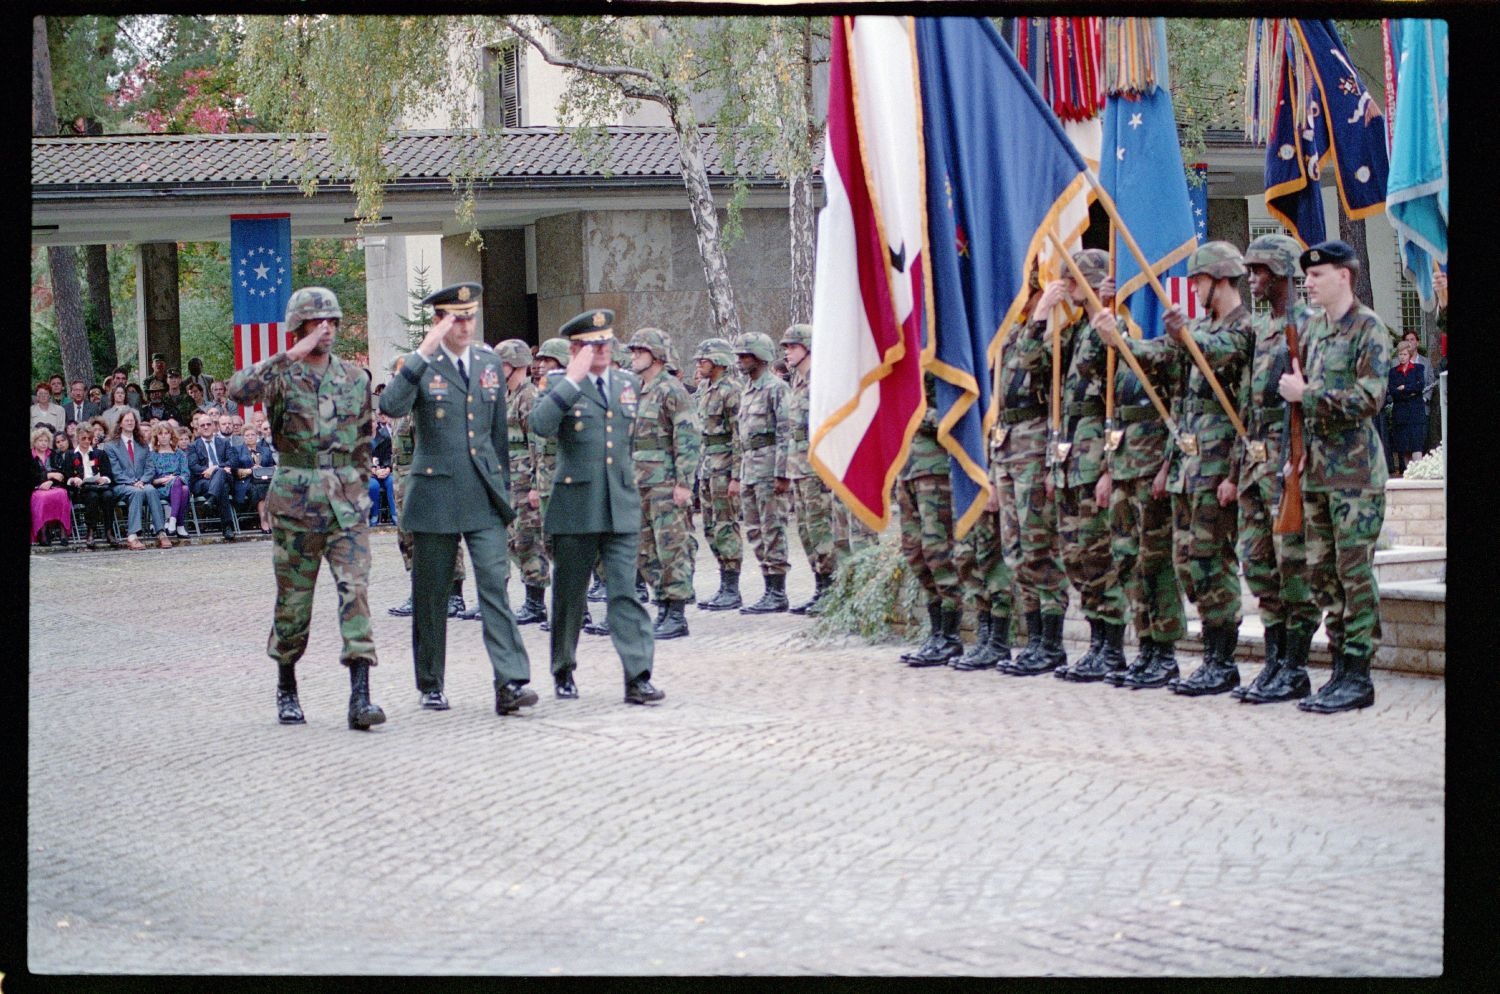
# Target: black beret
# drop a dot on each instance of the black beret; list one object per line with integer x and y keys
{"x": 460, "y": 298}
{"x": 590, "y": 326}
{"x": 1332, "y": 252}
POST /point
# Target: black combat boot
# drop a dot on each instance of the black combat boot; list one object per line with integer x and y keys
{"x": 1161, "y": 671}
{"x": 991, "y": 648}
{"x": 1218, "y": 674}
{"x": 978, "y": 649}
{"x": 728, "y": 597}
{"x": 598, "y": 592}
{"x": 362, "y": 714}
{"x": 1137, "y": 666}
{"x": 820, "y": 587}
{"x": 1087, "y": 667}
{"x": 534, "y": 608}
{"x": 934, "y": 634}
{"x": 1291, "y": 682}
{"x": 401, "y": 610}
{"x": 1275, "y": 652}
{"x": 820, "y": 597}
{"x": 661, "y": 613}
{"x": 1112, "y": 656}
{"x": 673, "y": 624}
{"x": 773, "y": 600}
{"x": 1050, "y": 654}
{"x": 1030, "y": 649}
{"x": 641, "y": 593}
{"x": 1349, "y": 689}
{"x": 948, "y": 645}
{"x": 288, "y": 710}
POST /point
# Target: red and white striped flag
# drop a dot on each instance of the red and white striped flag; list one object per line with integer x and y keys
{"x": 869, "y": 296}
{"x": 1180, "y": 289}
{"x": 255, "y": 342}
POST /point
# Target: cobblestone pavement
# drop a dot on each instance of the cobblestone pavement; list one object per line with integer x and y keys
{"x": 788, "y": 809}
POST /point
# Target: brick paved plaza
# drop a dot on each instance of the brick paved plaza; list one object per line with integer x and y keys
{"x": 788, "y": 809}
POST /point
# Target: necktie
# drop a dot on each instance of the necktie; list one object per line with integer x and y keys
{"x": 130, "y": 451}
{"x": 212, "y": 462}
{"x": 599, "y": 382}
{"x": 462, "y": 374}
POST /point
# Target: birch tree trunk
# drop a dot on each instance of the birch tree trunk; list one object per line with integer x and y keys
{"x": 705, "y": 222}
{"x": 803, "y": 226}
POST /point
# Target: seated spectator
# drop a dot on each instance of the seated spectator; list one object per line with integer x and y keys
{"x": 218, "y": 393}
{"x": 78, "y": 407}
{"x": 197, "y": 375}
{"x": 51, "y": 511}
{"x": 184, "y": 438}
{"x": 61, "y": 443}
{"x": 156, "y": 408}
{"x": 382, "y": 479}
{"x": 134, "y": 396}
{"x": 45, "y": 412}
{"x": 169, "y": 475}
{"x": 56, "y": 386}
{"x": 119, "y": 403}
{"x": 210, "y": 473}
{"x": 195, "y": 398}
{"x": 229, "y": 431}
{"x": 131, "y": 464}
{"x": 101, "y": 431}
{"x": 254, "y": 465}
{"x": 86, "y": 474}
{"x": 96, "y": 397}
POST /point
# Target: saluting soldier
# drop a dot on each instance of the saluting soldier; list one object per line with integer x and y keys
{"x": 527, "y": 550}
{"x": 595, "y": 509}
{"x": 459, "y": 489}
{"x": 319, "y": 500}
{"x": 811, "y": 499}
{"x": 665, "y": 443}
{"x": 718, "y": 401}
{"x": 1203, "y": 505}
{"x": 1345, "y": 355}
{"x": 763, "y": 484}
{"x": 1275, "y": 565}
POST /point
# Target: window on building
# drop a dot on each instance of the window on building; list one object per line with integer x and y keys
{"x": 1258, "y": 228}
{"x": 1411, "y": 301}
{"x": 502, "y": 91}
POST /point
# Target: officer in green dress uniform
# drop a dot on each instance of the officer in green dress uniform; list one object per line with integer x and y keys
{"x": 459, "y": 486}
{"x": 595, "y": 509}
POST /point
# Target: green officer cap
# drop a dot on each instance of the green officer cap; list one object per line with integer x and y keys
{"x": 1278, "y": 253}
{"x": 514, "y": 351}
{"x": 591, "y": 326}
{"x": 798, "y": 334}
{"x": 461, "y": 299}
{"x": 1220, "y": 260}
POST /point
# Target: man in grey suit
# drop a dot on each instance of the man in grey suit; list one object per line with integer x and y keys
{"x": 595, "y": 509}
{"x": 130, "y": 469}
{"x": 457, "y": 486}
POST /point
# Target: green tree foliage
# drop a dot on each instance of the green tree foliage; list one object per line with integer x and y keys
{"x": 1206, "y": 63}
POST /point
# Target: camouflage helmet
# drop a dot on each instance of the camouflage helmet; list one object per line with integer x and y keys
{"x": 619, "y": 354}
{"x": 1093, "y": 264}
{"x": 396, "y": 362}
{"x": 716, "y": 351}
{"x": 1278, "y": 253}
{"x": 798, "y": 334}
{"x": 1220, "y": 260}
{"x": 515, "y": 352}
{"x": 555, "y": 349}
{"x": 311, "y": 303}
{"x": 652, "y": 340}
{"x": 756, "y": 344}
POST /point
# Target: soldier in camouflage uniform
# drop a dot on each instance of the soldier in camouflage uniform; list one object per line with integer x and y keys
{"x": 812, "y": 500}
{"x": 1275, "y": 565}
{"x": 320, "y": 415}
{"x": 1203, "y": 507}
{"x": 763, "y": 484}
{"x": 665, "y": 443}
{"x": 986, "y": 579}
{"x": 1083, "y": 522}
{"x": 1346, "y": 356}
{"x": 527, "y": 549}
{"x": 1018, "y": 447}
{"x": 718, "y": 401}
{"x": 924, "y": 493}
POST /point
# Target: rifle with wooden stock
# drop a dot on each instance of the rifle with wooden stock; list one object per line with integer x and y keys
{"x": 1289, "y": 514}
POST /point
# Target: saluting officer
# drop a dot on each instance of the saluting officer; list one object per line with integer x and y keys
{"x": 595, "y": 509}
{"x": 459, "y": 487}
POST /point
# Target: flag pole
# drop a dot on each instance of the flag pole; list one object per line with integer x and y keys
{"x": 1130, "y": 359}
{"x": 1187, "y": 339}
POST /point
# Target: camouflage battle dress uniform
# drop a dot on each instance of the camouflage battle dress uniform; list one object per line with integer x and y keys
{"x": 1029, "y": 525}
{"x": 1141, "y": 529}
{"x": 665, "y": 443}
{"x": 319, "y": 501}
{"x": 765, "y": 435}
{"x": 527, "y": 547}
{"x": 924, "y": 493}
{"x": 811, "y": 499}
{"x": 718, "y": 417}
{"x": 986, "y": 578}
{"x": 1346, "y": 363}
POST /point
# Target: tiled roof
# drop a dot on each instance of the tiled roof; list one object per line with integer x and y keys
{"x": 416, "y": 156}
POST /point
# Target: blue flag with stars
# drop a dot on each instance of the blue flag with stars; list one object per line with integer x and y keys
{"x": 1140, "y": 165}
{"x": 1198, "y": 194}
{"x": 260, "y": 258}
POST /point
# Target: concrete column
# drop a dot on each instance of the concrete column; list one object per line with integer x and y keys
{"x": 502, "y": 266}
{"x": 158, "y": 319}
{"x": 386, "y": 301}
{"x": 460, "y": 264}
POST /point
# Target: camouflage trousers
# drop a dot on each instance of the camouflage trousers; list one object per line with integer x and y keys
{"x": 927, "y": 540}
{"x": 298, "y": 548}
{"x": 1340, "y": 528}
{"x": 849, "y": 533}
{"x": 528, "y": 549}
{"x": 765, "y": 513}
{"x": 813, "y": 503}
{"x": 668, "y": 545}
{"x": 1141, "y": 541}
{"x": 1275, "y": 565}
{"x": 1203, "y": 553}
{"x": 1038, "y": 567}
{"x": 721, "y": 521}
{"x": 404, "y": 541}
{"x": 1083, "y": 527}
{"x": 983, "y": 575}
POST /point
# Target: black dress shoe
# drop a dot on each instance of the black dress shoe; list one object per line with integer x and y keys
{"x": 228, "y": 535}
{"x": 288, "y": 710}
{"x": 513, "y": 696}
{"x": 640, "y": 691}
{"x": 600, "y": 627}
{"x": 565, "y": 688}
{"x": 434, "y": 700}
{"x": 598, "y": 592}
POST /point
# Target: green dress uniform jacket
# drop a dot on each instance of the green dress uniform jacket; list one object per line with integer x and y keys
{"x": 593, "y": 482}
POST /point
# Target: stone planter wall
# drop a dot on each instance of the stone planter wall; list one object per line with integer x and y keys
{"x": 1415, "y": 512}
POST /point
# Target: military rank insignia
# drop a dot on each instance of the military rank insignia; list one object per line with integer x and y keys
{"x": 627, "y": 395}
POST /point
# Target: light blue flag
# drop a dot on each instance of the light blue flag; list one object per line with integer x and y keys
{"x": 1417, "y": 190}
{"x": 1140, "y": 165}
